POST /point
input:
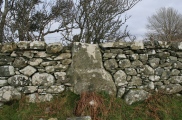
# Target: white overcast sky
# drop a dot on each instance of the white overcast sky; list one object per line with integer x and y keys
{"x": 141, "y": 11}
{"x": 139, "y": 14}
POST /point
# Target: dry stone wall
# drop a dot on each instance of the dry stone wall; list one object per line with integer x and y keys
{"x": 129, "y": 70}
{"x": 35, "y": 69}
{"x": 140, "y": 68}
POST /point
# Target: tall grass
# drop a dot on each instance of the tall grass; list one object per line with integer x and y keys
{"x": 100, "y": 106}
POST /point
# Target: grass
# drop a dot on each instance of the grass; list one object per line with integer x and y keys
{"x": 68, "y": 104}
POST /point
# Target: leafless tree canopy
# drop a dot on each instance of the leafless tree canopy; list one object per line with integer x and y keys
{"x": 82, "y": 20}
{"x": 166, "y": 24}
{"x": 100, "y": 20}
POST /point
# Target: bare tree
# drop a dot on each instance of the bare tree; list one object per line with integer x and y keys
{"x": 166, "y": 24}
{"x": 100, "y": 20}
{"x": 27, "y": 20}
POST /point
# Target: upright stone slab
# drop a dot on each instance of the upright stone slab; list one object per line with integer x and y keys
{"x": 87, "y": 72}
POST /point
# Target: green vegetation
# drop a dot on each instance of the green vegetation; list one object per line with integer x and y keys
{"x": 157, "y": 107}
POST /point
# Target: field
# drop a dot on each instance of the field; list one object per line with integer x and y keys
{"x": 100, "y": 106}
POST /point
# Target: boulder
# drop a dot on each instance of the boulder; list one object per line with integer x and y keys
{"x": 87, "y": 72}
{"x": 135, "y": 95}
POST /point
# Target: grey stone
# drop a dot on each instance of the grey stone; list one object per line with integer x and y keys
{"x": 87, "y": 72}
{"x": 44, "y": 79}
{"x": 50, "y": 69}
{"x": 154, "y": 78}
{"x": 175, "y": 72}
{"x": 124, "y": 63}
{"x": 175, "y": 79}
{"x": 66, "y": 61}
{"x": 8, "y": 93}
{"x": 23, "y": 44}
{"x": 143, "y": 57}
{"x": 120, "y": 78}
{"x": 135, "y": 80}
{"x": 80, "y": 118}
{"x": 176, "y": 45}
{"x": 171, "y": 88}
{"x": 48, "y": 63}
{"x": 19, "y": 80}
{"x": 121, "y": 56}
{"x": 35, "y": 97}
{"x": 61, "y": 68}
{"x": 28, "y": 70}
{"x": 154, "y": 63}
{"x": 109, "y": 55}
{"x": 42, "y": 54}
{"x": 3, "y": 83}
{"x": 151, "y": 85}
{"x": 121, "y": 92}
{"x": 19, "y": 62}
{"x": 6, "y": 71}
{"x": 40, "y": 45}
{"x": 8, "y": 47}
{"x": 163, "y": 55}
{"x": 63, "y": 56}
{"x": 130, "y": 71}
{"x": 28, "y": 54}
{"x": 55, "y": 89}
{"x": 30, "y": 89}
{"x": 60, "y": 77}
{"x": 135, "y": 95}
{"x": 110, "y": 64}
{"x": 137, "y": 45}
{"x": 137, "y": 63}
{"x": 177, "y": 65}
{"x": 179, "y": 54}
{"x": 148, "y": 70}
{"x": 163, "y": 44}
{"x": 54, "y": 47}
{"x": 35, "y": 61}
{"x": 134, "y": 57}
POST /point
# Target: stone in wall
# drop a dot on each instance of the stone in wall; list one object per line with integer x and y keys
{"x": 28, "y": 70}
{"x": 87, "y": 72}
{"x": 35, "y": 97}
{"x": 19, "y": 80}
{"x": 19, "y": 62}
{"x": 8, "y": 47}
{"x": 44, "y": 79}
{"x": 41, "y": 45}
{"x": 54, "y": 48}
{"x": 6, "y": 71}
{"x": 8, "y": 93}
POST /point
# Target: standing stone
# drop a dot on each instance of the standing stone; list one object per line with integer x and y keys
{"x": 135, "y": 96}
{"x": 120, "y": 78}
{"x": 87, "y": 72}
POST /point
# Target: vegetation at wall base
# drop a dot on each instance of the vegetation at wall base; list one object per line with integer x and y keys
{"x": 156, "y": 107}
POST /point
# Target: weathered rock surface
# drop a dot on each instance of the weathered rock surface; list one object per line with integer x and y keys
{"x": 19, "y": 80}
{"x": 44, "y": 79}
{"x": 87, "y": 72}
{"x": 120, "y": 78}
{"x": 80, "y": 118}
{"x": 35, "y": 97}
{"x": 28, "y": 70}
{"x": 54, "y": 48}
{"x": 6, "y": 71}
